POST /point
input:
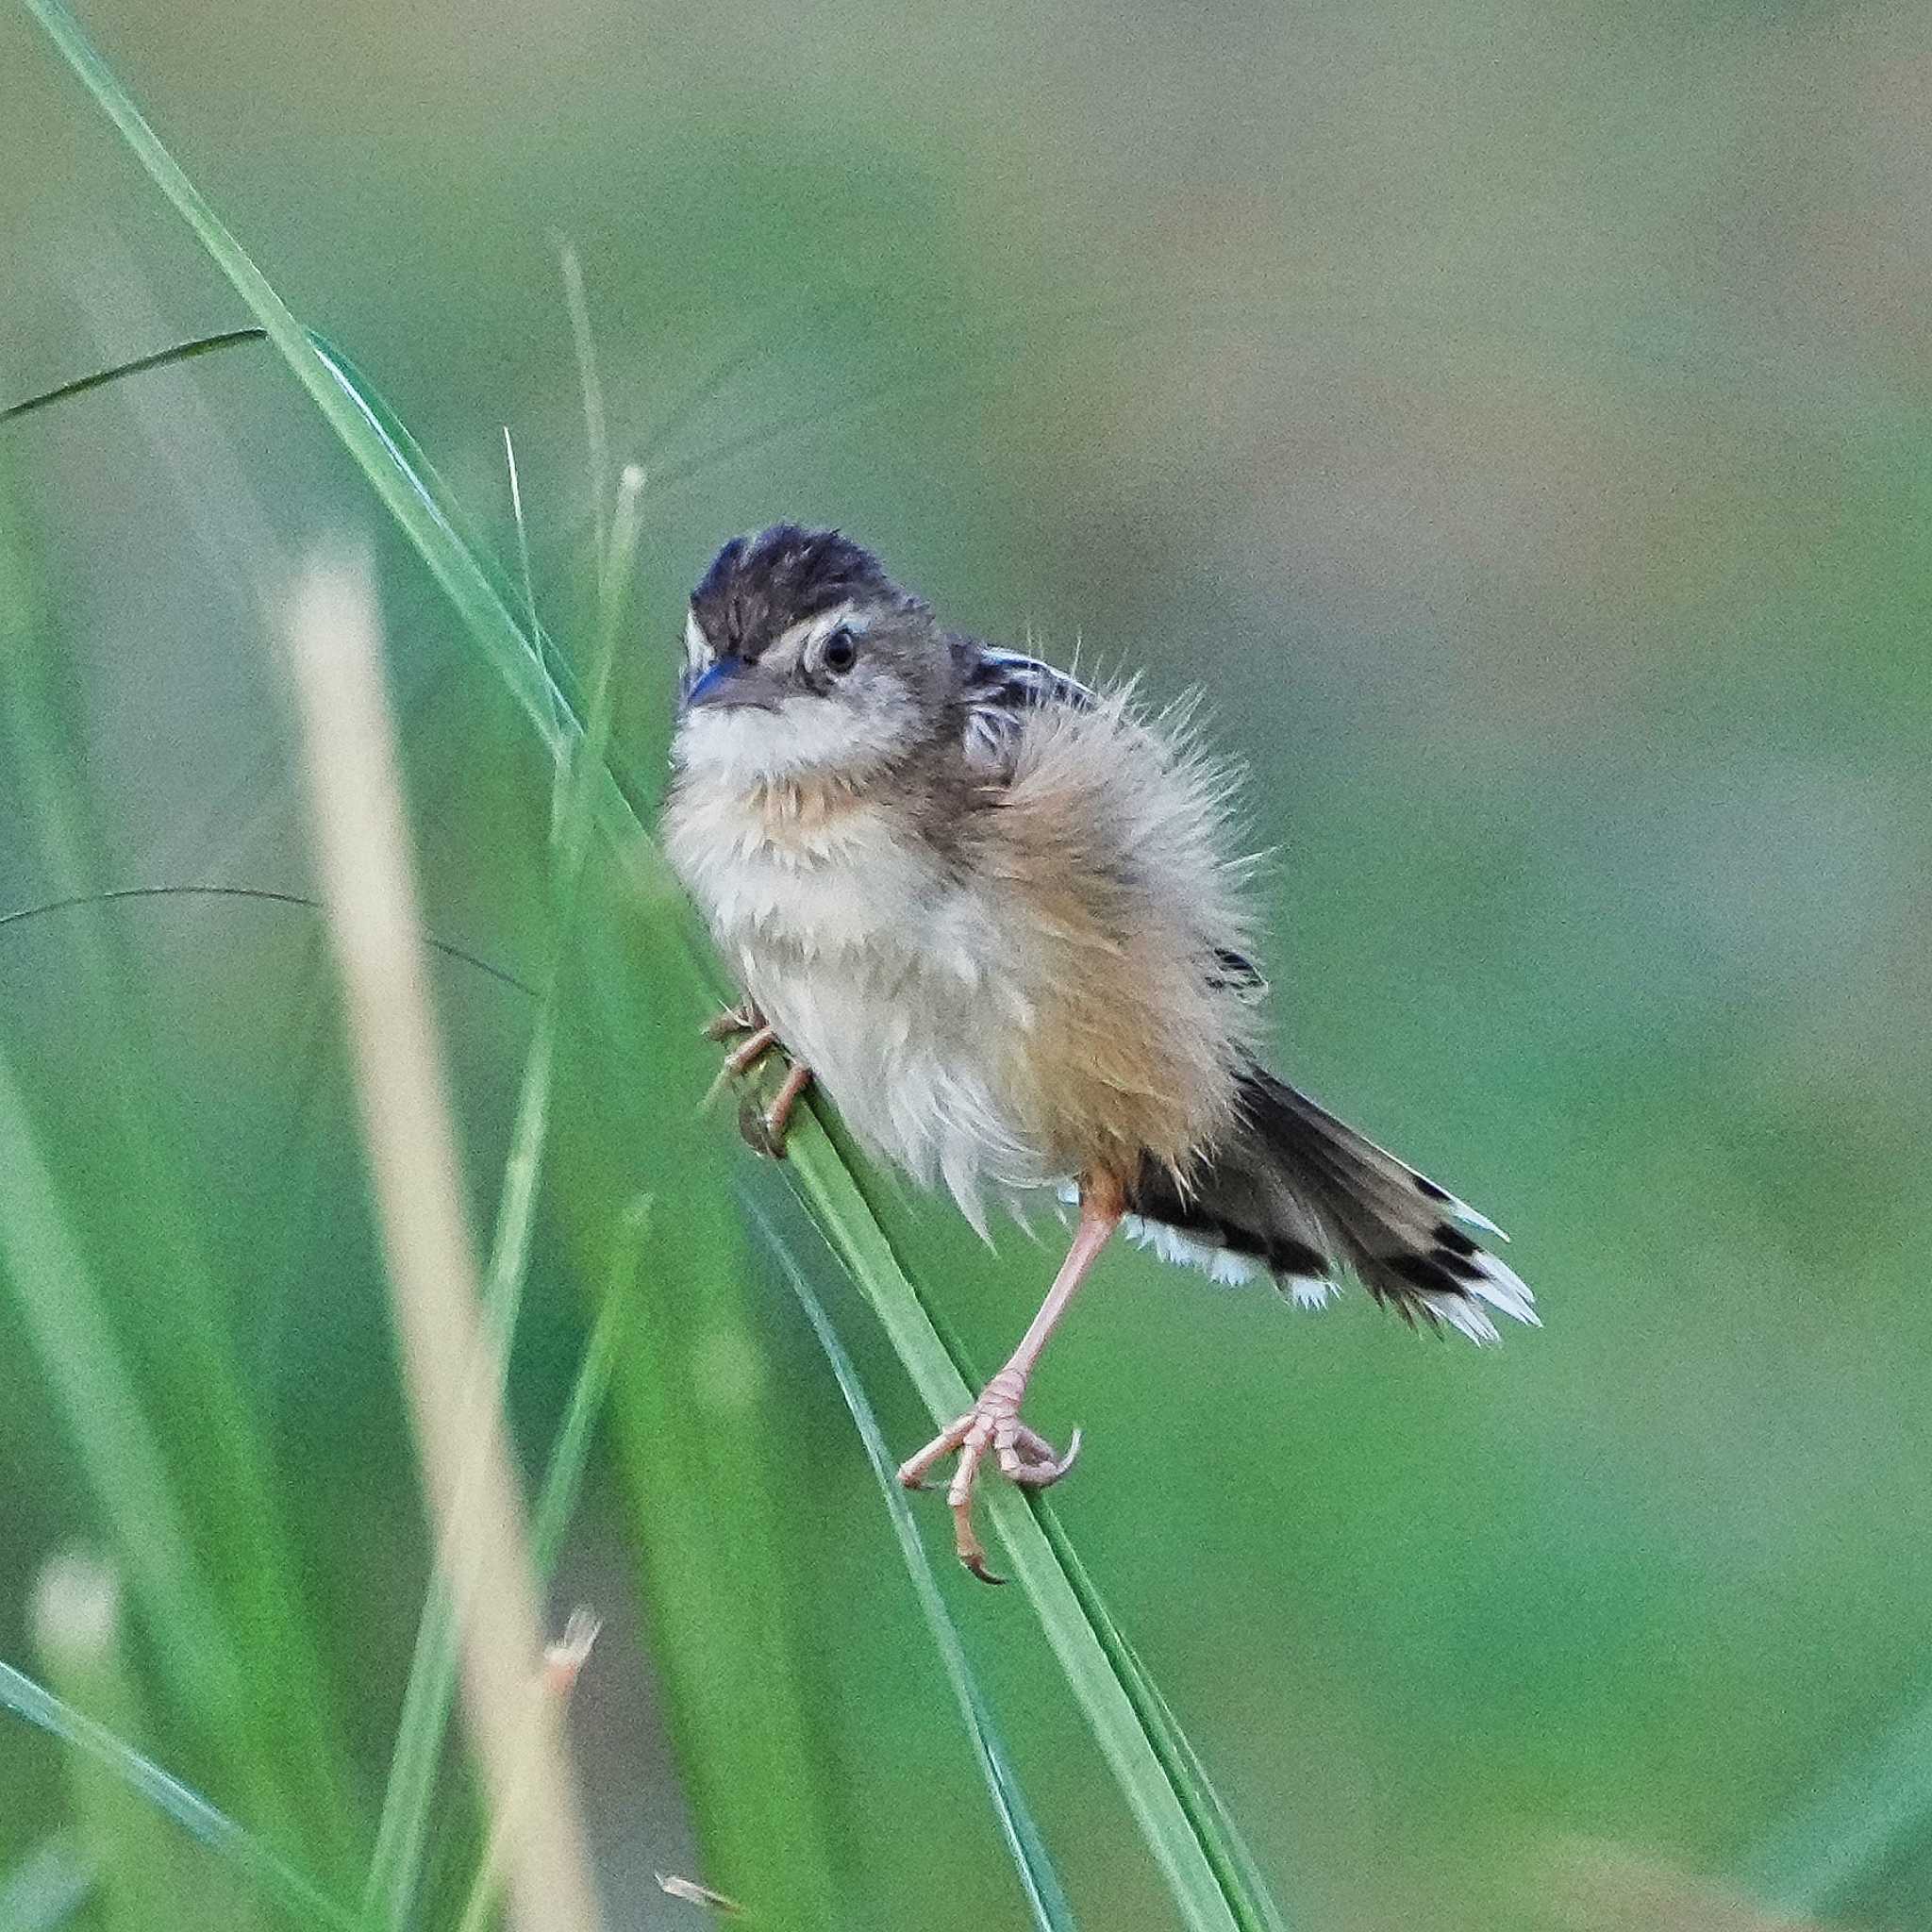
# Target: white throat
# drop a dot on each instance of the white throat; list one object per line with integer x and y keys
{"x": 741, "y": 747}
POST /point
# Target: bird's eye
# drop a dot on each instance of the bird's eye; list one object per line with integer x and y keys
{"x": 840, "y": 651}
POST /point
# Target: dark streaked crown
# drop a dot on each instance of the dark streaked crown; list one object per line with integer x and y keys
{"x": 758, "y": 586}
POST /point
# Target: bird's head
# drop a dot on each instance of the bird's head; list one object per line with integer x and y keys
{"x": 804, "y": 658}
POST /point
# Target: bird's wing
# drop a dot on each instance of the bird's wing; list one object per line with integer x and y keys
{"x": 1237, "y": 973}
{"x": 1002, "y": 687}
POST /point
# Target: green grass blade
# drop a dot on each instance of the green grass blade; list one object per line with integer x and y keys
{"x": 701, "y": 1421}
{"x": 1046, "y": 1898}
{"x": 1199, "y": 1889}
{"x": 278, "y": 1880}
{"x": 161, "y": 358}
{"x": 596, "y": 436}
{"x": 438, "y": 502}
{"x": 82, "y": 1651}
{"x": 62, "y": 1312}
{"x": 257, "y": 895}
{"x": 570, "y": 1455}
{"x": 393, "y": 465}
{"x": 172, "y": 1329}
{"x": 1234, "y": 1864}
{"x": 1163, "y": 1818}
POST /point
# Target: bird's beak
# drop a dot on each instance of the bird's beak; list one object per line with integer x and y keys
{"x": 732, "y": 682}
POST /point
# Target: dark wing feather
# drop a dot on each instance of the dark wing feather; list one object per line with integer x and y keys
{"x": 1001, "y": 687}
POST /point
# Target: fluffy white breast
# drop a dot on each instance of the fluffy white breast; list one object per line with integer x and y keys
{"x": 881, "y": 973}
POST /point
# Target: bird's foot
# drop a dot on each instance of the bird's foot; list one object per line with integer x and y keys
{"x": 764, "y": 1129}
{"x": 734, "y": 1021}
{"x": 1023, "y": 1455}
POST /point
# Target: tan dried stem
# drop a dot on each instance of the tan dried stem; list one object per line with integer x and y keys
{"x": 363, "y": 858}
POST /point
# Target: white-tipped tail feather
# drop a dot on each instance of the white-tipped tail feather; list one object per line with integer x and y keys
{"x": 1294, "y": 1193}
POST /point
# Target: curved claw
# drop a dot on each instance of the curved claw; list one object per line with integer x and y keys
{"x": 1024, "y": 1456}
{"x": 1045, "y": 1468}
{"x": 755, "y": 1130}
{"x": 974, "y": 1561}
{"x": 768, "y": 1131}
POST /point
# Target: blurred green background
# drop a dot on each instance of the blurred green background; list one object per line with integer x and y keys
{"x": 1516, "y": 418}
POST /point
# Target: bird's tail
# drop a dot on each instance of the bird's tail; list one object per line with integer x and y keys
{"x": 1291, "y": 1191}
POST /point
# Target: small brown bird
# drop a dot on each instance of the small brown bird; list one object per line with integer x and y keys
{"x": 996, "y": 915}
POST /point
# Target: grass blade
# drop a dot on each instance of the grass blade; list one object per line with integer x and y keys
{"x": 402, "y": 479}
{"x": 452, "y": 1368}
{"x": 161, "y": 358}
{"x": 596, "y": 437}
{"x": 1208, "y": 1896}
{"x": 60, "y": 1307}
{"x": 1234, "y": 1864}
{"x": 570, "y": 1455}
{"x": 277, "y": 1879}
{"x": 397, "y": 1865}
{"x": 1045, "y": 1897}
{"x": 1164, "y": 1820}
{"x": 81, "y": 1646}
{"x": 563, "y": 1482}
{"x": 257, "y": 895}
{"x": 171, "y": 1333}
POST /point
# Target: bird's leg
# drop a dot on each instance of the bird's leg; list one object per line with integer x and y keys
{"x": 993, "y": 1422}
{"x": 763, "y": 1130}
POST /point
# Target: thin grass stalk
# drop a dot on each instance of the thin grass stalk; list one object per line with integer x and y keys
{"x": 161, "y": 358}
{"x": 1046, "y": 1898}
{"x": 596, "y": 433}
{"x": 570, "y": 1455}
{"x": 80, "y": 1643}
{"x": 532, "y": 626}
{"x": 60, "y": 1307}
{"x": 550, "y": 1518}
{"x": 482, "y": 1540}
{"x": 257, "y": 896}
{"x": 396, "y": 1866}
{"x": 719, "y": 1500}
{"x": 298, "y": 1896}
{"x": 172, "y": 1340}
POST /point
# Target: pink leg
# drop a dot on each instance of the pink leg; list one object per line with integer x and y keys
{"x": 747, "y": 1055}
{"x": 760, "y": 1041}
{"x": 993, "y": 1422}
{"x": 766, "y": 1131}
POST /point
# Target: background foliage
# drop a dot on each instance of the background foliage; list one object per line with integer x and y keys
{"x": 1517, "y": 419}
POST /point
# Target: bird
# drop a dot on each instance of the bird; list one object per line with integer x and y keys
{"x": 1002, "y": 919}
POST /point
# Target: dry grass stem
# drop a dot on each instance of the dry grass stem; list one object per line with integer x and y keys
{"x": 363, "y": 862}
{"x": 693, "y": 1893}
